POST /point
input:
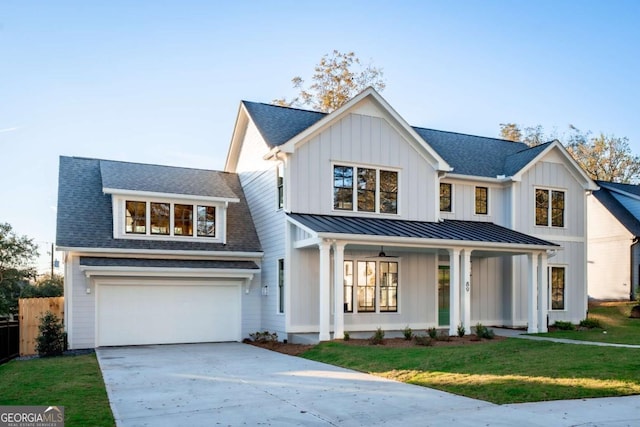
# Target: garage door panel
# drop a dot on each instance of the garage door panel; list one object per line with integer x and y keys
{"x": 131, "y": 314}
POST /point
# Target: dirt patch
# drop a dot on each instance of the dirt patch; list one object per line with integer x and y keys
{"x": 297, "y": 349}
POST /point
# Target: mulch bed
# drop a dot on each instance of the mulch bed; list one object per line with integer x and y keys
{"x": 297, "y": 349}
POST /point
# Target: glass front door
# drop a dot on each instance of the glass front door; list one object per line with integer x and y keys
{"x": 443, "y": 295}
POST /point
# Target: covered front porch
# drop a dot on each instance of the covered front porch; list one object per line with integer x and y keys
{"x": 418, "y": 250}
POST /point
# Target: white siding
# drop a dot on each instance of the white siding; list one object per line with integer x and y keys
{"x": 81, "y": 312}
{"x": 609, "y": 254}
{"x": 259, "y": 182}
{"x": 365, "y": 141}
{"x": 464, "y": 202}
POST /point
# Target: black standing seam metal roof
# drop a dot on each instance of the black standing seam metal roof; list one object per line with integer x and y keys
{"x": 613, "y": 205}
{"x": 166, "y": 263}
{"x": 85, "y": 215}
{"x": 467, "y": 154}
{"x": 463, "y": 231}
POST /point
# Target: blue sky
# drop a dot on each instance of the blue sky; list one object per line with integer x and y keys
{"x": 160, "y": 81}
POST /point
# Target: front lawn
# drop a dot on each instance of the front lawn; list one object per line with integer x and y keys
{"x": 74, "y": 382}
{"x": 617, "y": 326}
{"x": 509, "y": 371}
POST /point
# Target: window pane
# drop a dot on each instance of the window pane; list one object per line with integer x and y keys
{"x": 366, "y": 190}
{"x": 388, "y": 192}
{"x": 280, "y": 286}
{"x": 542, "y": 207}
{"x": 343, "y": 187}
{"x": 280, "y": 183}
{"x": 183, "y": 220}
{"x": 482, "y": 200}
{"x": 348, "y": 286}
{"x": 136, "y": 217}
{"x": 557, "y": 288}
{"x": 206, "y": 221}
{"x": 366, "y": 286}
{"x": 388, "y": 286}
{"x": 160, "y": 218}
{"x": 557, "y": 208}
{"x": 445, "y": 197}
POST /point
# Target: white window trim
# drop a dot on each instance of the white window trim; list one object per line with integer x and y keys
{"x": 377, "y": 288}
{"x": 119, "y": 220}
{"x": 354, "y": 200}
{"x": 489, "y": 196}
{"x": 549, "y": 209}
{"x": 452, "y": 211}
{"x": 549, "y": 284}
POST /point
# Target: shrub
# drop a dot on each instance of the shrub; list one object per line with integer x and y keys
{"x": 484, "y": 332}
{"x": 347, "y": 337}
{"x": 407, "y": 332}
{"x": 433, "y": 333}
{"x": 377, "y": 337}
{"x": 264, "y": 336}
{"x": 424, "y": 340}
{"x": 461, "y": 330}
{"x": 52, "y": 338}
{"x": 591, "y": 323}
{"x": 564, "y": 326}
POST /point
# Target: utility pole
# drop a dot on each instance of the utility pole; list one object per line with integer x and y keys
{"x": 51, "y": 261}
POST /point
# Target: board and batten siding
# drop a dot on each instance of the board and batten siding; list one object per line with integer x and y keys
{"x": 361, "y": 141}
{"x": 259, "y": 182}
{"x": 609, "y": 254}
{"x": 464, "y": 202}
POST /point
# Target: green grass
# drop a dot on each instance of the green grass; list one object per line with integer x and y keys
{"x": 508, "y": 371}
{"x": 74, "y": 382}
{"x": 614, "y": 317}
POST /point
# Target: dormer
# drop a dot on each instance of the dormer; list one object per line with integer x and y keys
{"x": 153, "y": 202}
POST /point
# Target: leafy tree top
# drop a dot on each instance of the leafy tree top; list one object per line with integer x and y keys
{"x": 337, "y": 78}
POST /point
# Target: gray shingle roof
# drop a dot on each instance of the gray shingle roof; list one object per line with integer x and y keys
{"x": 166, "y": 263}
{"x": 279, "y": 124}
{"x": 163, "y": 179}
{"x": 85, "y": 218}
{"x": 617, "y": 209}
{"x": 467, "y": 231}
{"x": 467, "y": 154}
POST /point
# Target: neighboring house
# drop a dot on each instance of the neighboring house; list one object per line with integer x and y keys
{"x": 368, "y": 222}
{"x": 155, "y": 254}
{"x": 321, "y": 224}
{"x": 614, "y": 248}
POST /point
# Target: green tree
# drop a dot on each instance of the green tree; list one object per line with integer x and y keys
{"x": 46, "y": 286}
{"x": 337, "y": 78}
{"x": 602, "y": 157}
{"x": 17, "y": 254}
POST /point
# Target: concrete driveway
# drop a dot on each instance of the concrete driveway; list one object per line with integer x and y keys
{"x": 235, "y": 384}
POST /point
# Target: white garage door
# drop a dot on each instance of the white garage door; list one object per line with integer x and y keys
{"x": 171, "y": 312}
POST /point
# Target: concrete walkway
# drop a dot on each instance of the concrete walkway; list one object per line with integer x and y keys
{"x": 516, "y": 333}
{"x": 235, "y": 384}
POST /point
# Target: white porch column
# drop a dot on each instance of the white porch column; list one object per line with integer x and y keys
{"x": 325, "y": 291}
{"x": 454, "y": 291}
{"x": 338, "y": 290}
{"x": 532, "y": 293}
{"x": 465, "y": 288}
{"x": 543, "y": 287}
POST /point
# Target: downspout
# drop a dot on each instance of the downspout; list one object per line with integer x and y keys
{"x": 633, "y": 285}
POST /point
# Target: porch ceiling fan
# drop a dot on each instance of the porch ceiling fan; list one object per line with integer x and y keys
{"x": 383, "y": 254}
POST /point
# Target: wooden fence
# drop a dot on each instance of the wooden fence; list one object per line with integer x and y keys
{"x": 30, "y": 312}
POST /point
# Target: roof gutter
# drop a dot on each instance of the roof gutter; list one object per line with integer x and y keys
{"x": 159, "y": 253}
{"x": 436, "y": 243}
